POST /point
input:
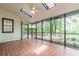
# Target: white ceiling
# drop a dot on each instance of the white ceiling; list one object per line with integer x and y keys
{"x": 41, "y": 13}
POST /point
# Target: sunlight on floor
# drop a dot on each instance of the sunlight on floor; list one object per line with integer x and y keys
{"x": 40, "y": 49}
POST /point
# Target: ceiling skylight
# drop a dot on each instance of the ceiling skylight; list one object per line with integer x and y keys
{"x": 26, "y": 12}
{"x": 49, "y": 5}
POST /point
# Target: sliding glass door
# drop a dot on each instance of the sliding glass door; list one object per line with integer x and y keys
{"x": 34, "y": 30}
{"x": 24, "y": 30}
{"x": 39, "y": 30}
{"x": 58, "y": 30}
{"x": 46, "y": 30}
{"x": 72, "y": 29}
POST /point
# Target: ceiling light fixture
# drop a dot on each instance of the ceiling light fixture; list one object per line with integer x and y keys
{"x": 33, "y": 12}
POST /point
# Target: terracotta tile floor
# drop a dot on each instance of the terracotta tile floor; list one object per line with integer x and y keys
{"x": 33, "y": 47}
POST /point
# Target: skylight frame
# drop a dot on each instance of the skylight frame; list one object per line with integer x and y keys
{"x": 48, "y": 6}
{"x": 26, "y": 12}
